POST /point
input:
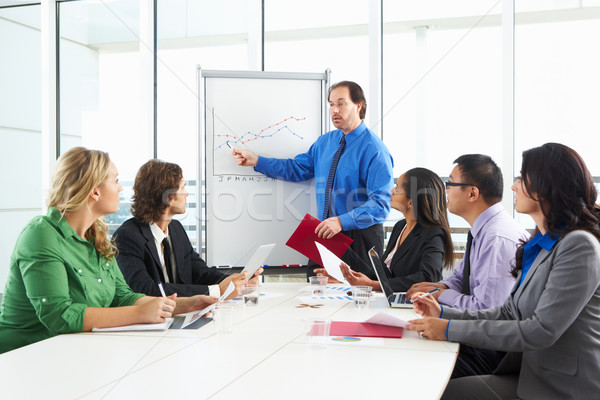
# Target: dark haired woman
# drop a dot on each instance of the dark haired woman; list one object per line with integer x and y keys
{"x": 551, "y": 319}
{"x": 420, "y": 245}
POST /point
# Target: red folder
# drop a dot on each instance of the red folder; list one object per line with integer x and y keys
{"x": 364, "y": 329}
{"x": 303, "y": 240}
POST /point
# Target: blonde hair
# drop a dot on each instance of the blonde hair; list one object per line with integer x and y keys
{"x": 79, "y": 171}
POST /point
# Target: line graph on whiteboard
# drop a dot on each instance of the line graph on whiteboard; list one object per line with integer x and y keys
{"x": 283, "y": 138}
{"x": 228, "y": 141}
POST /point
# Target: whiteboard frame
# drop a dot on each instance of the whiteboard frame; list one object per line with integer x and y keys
{"x": 201, "y": 76}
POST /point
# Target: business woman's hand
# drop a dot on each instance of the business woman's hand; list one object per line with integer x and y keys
{"x": 155, "y": 309}
{"x": 323, "y": 272}
{"x": 245, "y": 158}
{"x": 429, "y": 328}
{"x": 356, "y": 278}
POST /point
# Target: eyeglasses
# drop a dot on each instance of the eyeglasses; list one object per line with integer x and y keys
{"x": 448, "y": 184}
{"x": 340, "y": 106}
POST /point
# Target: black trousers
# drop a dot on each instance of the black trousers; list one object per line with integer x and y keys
{"x": 482, "y": 387}
{"x": 357, "y": 255}
{"x": 474, "y": 361}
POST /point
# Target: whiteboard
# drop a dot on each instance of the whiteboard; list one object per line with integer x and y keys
{"x": 274, "y": 115}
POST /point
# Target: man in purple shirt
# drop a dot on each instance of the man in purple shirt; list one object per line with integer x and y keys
{"x": 474, "y": 192}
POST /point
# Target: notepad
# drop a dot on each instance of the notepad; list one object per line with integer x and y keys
{"x": 379, "y": 325}
{"x": 138, "y": 327}
{"x": 364, "y": 329}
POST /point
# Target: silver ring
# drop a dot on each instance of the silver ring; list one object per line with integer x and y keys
{"x": 167, "y": 308}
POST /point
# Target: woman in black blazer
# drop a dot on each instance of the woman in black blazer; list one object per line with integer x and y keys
{"x": 420, "y": 245}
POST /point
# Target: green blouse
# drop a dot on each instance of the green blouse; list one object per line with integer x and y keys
{"x": 54, "y": 275}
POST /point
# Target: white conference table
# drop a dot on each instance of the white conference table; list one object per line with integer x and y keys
{"x": 265, "y": 356}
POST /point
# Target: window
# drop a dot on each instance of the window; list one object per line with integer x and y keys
{"x": 20, "y": 125}
{"x": 442, "y": 85}
{"x": 556, "y": 83}
{"x": 101, "y": 91}
{"x": 321, "y": 35}
{"x": 190, "y": 34}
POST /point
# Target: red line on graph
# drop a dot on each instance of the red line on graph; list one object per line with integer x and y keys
{"x": 259, "y": 134}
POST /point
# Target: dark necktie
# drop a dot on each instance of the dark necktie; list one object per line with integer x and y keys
{"x": 331, "y": 176}
{"x": 466, "y": 287}
{"x": 167, "y": 255}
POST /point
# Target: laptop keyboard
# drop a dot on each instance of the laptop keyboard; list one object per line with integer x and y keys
{"x": 400, "y": 298}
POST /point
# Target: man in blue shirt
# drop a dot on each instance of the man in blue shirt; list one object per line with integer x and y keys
{"x": 353, "y": 176}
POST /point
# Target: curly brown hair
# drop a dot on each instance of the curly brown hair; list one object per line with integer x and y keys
{"x": 155, "y": 183}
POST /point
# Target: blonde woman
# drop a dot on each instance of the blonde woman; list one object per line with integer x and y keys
{"x": 63, "y": 274}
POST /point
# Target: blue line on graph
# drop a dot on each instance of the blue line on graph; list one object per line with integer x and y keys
{"x": 241, "y": 139}
{"x": 260, "y": 135}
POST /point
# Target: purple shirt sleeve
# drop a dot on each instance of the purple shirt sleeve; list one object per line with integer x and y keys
{"x": 491, "y": 281}
{"x": 454, "y": 281}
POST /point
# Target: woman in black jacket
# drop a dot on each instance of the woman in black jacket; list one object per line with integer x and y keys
{"x": 420, "y": 245}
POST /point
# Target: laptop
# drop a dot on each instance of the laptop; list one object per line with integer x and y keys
{"x": 258, "y": 259}
{"x": 395, "y": 299}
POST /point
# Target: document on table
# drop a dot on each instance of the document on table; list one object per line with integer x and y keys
{"x": 379, "y": 325}
{"x": 364, "y": 329}
{"x": 387, "y": 319}
{"x": 303, "y": 240}
{"x": 193, "y": 316}
{"x": 138, "y": 327}
{"x": 329, "y": 288}
{"x": 321, "y": 299}
{"x": 331, "y": 263}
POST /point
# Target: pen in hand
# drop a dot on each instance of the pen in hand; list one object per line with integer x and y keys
{"x": 162, "y": 290}
{"x": 426, "y": 294}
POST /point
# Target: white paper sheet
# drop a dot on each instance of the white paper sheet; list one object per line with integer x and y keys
{"x": 387, "y": 319}
{"x": 328, "y": 289}
{"x": 193, "y": 316}
{"x": 161, "y": 326}
{"x": 331, "y": 262}
{"x": 323, "y": 299}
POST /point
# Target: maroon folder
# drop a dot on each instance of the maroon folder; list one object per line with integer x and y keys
{"x": 303, "y": 240}
{"x": 364, "y": 329}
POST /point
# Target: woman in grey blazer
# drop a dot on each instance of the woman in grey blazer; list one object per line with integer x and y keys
{"x": 420, "y": 245}
{"x": 551, "y": 320}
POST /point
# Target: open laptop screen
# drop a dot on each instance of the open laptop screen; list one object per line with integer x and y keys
{"x": 395, "y": 300}
{"x": 380, "y": 272}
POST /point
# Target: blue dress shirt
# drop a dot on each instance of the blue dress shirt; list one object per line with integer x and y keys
{"x": 363, "y": 179}
{"x": 533, "y": 248}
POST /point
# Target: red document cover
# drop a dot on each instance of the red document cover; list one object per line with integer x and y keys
{"x": 364, "y": 329}
{"x": 303, "y": 240}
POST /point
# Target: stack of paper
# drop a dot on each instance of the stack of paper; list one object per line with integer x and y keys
{"x": 138, "y": 327}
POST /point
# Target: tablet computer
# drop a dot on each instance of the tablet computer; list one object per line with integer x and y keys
{"x": 258, "y": 259}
